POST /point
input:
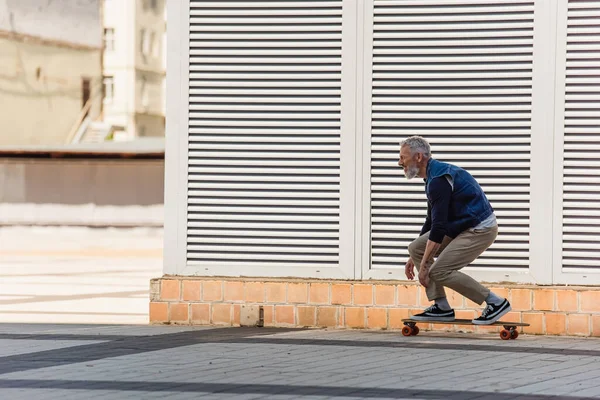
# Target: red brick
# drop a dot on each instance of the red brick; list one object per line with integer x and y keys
{"x": 307, "y": 315}
{"x": 319, "y": 293}
{"x": 179, "y": 312}
{"x": 536, "y": 322}
{"x": 269, "y": 312}
{"x": 255, "y": 292}
{"x": 275, "y": 292}
{"x": 543, "y": 300}
{"x": 566, "y": 300}
{"x": 200, "y": 314}
{"x": 385, "y": 295}
{"x": 159, "y": 312}
{"x": 363, "y": 295}
{"x": 520, "y": 299}
{"x": 596, "y": 325}
{"x": 297, "y": 293}
{"x": 237, "y": 314}
{"x": 341, "y": 294}
{"x": 221, "y": 314}
{"x": 589, "y": 301}
{"x": 377, "y": 318}
{"x": 355, "y": 317}
{"x": 234, "y": 291}
{"x": 556, "y": 324}
{"x": 212, "y": 291}
{"x": 327, "y": 316}
{"x": 407, "y": 295}
{"x": 578, "y": 324}
{"x": 396, "y": 315}
{"x": 169, "y": 289}
{"x": 191, "y": 290}
{"x": 284, "y": 315}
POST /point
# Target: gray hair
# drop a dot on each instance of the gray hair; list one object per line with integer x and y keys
{"x": 417, "y": 144}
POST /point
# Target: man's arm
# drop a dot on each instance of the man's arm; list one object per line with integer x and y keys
{"x": 427, "y": 225}
{"x": 440, "y": 192}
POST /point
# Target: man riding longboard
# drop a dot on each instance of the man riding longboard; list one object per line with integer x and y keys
{"x": 460, "y": 225}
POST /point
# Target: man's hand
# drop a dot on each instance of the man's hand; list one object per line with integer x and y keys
{"x": 424, "y": 275}
{"x": 409, "y": 269}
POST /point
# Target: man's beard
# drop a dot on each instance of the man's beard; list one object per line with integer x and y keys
{"x": 411, "y": 172}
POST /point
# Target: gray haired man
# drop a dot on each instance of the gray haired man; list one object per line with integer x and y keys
{"x": 460, "y": 225}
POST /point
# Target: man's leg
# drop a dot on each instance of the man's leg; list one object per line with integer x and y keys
{"x": 460, "y": 252}
{"x": 416, "y": 250}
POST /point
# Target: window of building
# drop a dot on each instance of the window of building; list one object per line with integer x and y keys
{"x": 109, "y": 88}
{"x": 109, "y": 39}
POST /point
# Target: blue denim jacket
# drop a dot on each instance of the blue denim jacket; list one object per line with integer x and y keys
{"x": 468, "y": 206}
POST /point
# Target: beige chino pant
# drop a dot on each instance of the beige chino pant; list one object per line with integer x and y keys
{"x": 453, "y": 255}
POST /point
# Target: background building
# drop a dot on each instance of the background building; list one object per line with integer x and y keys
{"x": 50, "y": 69}
{"x": 134, "y": 67}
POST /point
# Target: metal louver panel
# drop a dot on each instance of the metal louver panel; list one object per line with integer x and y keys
{"x": 264, "y": 138}
{"x": 581, "y": 174}
{"x": 458, "y": 73}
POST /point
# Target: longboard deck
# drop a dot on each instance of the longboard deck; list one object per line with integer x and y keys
{"x": 510, "y": 330}
{"x": 465, "y": 322}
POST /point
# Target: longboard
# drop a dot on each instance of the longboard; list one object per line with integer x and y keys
{"x": 509, "y": 332}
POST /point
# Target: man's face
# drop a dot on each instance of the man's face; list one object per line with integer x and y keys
{"x": 409, "y": 162}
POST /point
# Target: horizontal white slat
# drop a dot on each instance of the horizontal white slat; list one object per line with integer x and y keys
{"x": 476, "y": 164}
{"x": 282, "y": 92}
{"x": 444, "y": 3}
{"x": 205, "y": 52}
{"x": 324, "y": 237}
{"x": 478, "y": 75}
{"x": 434, "y": 10}
{"x": 258, "y": 162}
{"x": 264, "y": 76}
{"x": 316, "y": 187}
{"x": 245, "y": 241}
{"x": 307, "y": 256}
{"x": 322, "y": 196}
{"x": 440, "y": 67}
{"x": 249, "y": 218}
{"x": 449, "y": 123}
{"x": 253, "y": 209}
{"x": 267, "y": 26}
{"x": 262, "y": 59}
{"x": 503, "y": 237}
{"x": 274, "y": 123}
{"x": 254, "y": 249}
{"x": 475, "y": 58}
{"x": 267, "y": 178}
{"x": 290, "y": 149}
{"x": 266, "y": 84}
{"x": 256, "y": 154}
{"x": 311, "y": 227}
{"x": 456, "y": 26}
{"x": 590, "y": 264}
{"x": 228, "y": 67}
{"x": 502, "y": 143}
{"x": 387, "y": 90}
{"x": 198, "y": 6}
{"x": 401, "y": 260}
{"x": 436, "y": 34}
{"x": 286, "y": 19}
{"x": 297, "y": 141}
{"x": 426, "y": 45}
{"x": 217, "y": 14}
{"x": 457, "y": 83}
{"x": 444, "y": 51}
{"x": 290, "y": 202}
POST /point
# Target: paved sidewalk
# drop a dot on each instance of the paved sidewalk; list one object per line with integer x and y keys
{"x": 77, "y": 275}
{"x": 137, "y": 362}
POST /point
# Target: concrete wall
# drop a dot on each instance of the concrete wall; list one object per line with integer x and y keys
{"x": 81, "y": 192}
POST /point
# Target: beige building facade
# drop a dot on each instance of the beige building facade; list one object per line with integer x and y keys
{"x": 50, "y": 70}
